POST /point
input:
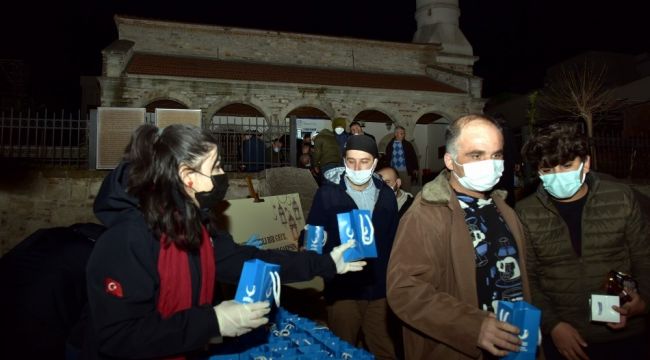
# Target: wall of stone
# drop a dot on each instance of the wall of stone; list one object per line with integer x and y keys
{"x": 35, "y": 199}
{"x": 236, "y": 44}
{"x": 30, "y": 200}
{"x": 275, "y": 101}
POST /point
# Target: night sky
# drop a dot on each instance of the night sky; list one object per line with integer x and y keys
{"x": 515, "y": 40}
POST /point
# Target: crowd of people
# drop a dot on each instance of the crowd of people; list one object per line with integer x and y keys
{"x": 445, "y": 256}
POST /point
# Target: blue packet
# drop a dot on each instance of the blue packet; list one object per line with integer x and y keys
{"x": 315, "y": 238}
{"x": 357, "y": 225}
{"x": 259, "y": 281}
{"x": 527, "y": 318}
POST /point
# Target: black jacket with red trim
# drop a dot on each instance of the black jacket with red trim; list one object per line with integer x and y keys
{"x": 126, "y": 323}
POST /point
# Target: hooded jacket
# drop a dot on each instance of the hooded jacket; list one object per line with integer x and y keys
{"x": 432, "y": 274}
{"x": 130, "y": 326}
{"x": 615, "y": 236}
{"x": 326, "y": 149}
{"x": 331, "y": 199}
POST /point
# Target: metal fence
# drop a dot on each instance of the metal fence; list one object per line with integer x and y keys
{"x": 251, "y": 144}
{"x": 60, "y": 139}
{"x": 627, "y": 158}
{"x": 45, "y": 138}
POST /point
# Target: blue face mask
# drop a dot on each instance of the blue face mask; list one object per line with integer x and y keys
{"x": 565, "y": 184}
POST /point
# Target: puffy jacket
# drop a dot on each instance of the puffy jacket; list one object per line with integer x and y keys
{"x": 615, "y": 236}
{"x": 326, "y": 149}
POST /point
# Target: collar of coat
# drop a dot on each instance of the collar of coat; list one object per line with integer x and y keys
{"x": 438, "y": 191}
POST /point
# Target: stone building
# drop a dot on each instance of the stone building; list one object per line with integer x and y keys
{"x": 278, "y": 76}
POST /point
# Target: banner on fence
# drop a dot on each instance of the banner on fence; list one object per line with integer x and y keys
{"x": 166, "y": 117}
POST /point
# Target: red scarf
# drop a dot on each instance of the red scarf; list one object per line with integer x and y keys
{"x": 175, "y": 279}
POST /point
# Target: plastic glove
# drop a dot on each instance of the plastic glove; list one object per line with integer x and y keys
{"x": 254, "y": 240}
{"x": 236, "y": 319}
{"x": 341, "y": 266}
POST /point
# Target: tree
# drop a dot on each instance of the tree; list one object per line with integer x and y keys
{"x": 578, "y": 91}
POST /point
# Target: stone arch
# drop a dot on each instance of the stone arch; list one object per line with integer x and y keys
{"x": 306, "y": 103}
{"x": 449, "y": 117}
{"x": 379, "y": 123}
{"x": 165, "y": 102}
{"x": 230, "y": 122}
{"x": 212, "y": 110}
{"x": 159, "y": 95}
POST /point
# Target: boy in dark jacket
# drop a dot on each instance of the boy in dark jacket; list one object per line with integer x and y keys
{"x": 578, "y": 228}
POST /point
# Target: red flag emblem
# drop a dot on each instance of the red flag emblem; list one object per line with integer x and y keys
{"x": 113, "y": 287}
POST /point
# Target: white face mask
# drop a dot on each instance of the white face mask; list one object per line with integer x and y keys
{"x": 480, "y": 175}
{"x": 359, "y": 177}
{"x": 339, "y": 130}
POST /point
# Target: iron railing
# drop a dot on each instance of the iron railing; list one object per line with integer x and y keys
{"x": 45, "y": 138}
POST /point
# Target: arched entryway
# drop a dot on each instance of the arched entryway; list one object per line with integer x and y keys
{"x": 431, "y": 127}
{"x": 233, "y": 124}
{"x": 301, "y": 121}
{"x": 378, "y": 124}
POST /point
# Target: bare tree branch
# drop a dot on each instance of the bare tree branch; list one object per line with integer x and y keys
{"x": 578, "y": 91}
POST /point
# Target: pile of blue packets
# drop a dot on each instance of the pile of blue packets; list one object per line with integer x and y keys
{"x": 290, "y": 337}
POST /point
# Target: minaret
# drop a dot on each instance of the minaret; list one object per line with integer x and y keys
{"x": 438, "y": 23}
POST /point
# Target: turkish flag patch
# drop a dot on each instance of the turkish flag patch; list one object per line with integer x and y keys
{"x": 113, "y": 287}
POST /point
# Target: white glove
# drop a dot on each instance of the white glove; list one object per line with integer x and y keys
{"x": 236, "y": 319}
{"x": 341, "y": 266}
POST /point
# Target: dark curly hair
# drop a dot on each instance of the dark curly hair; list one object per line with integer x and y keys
{"x": 555, "y": 143}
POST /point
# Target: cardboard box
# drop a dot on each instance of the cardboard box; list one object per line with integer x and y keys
{"x": 601, "y": 308}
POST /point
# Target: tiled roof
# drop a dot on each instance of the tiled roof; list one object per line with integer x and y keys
{"x": 150, "y": 64}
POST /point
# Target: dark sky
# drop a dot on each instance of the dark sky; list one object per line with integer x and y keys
{"x": 515, "y": 39}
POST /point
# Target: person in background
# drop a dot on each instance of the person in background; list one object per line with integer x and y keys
{"x": 151, "y": 275}
{"x": 253, "y": 152}
{"x": 459, "y": 249}
{"x": 400, "y": 154}
{"x": 356, "y": 305}
{"x": 578, "y": 228}
{"x": 357, "y": 129}
{"x": 326, "y": 153}
{"x": 339, "y": 125}
{"x": 391, "y": 178}
{"x": 275, "y": 154}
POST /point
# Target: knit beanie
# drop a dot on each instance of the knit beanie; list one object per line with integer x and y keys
{"x": 338, "y": 122}
{"x": 363, "y": 143}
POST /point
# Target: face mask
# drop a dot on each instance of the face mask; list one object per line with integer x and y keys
{"x": 339, "y": 130}
{"x": 480, "y": 175}
{"x": 359, "y": 177}
{"x": 209, "y": 199}
{"x": 565, "y": 184}
{"x": 276, "y": 149}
